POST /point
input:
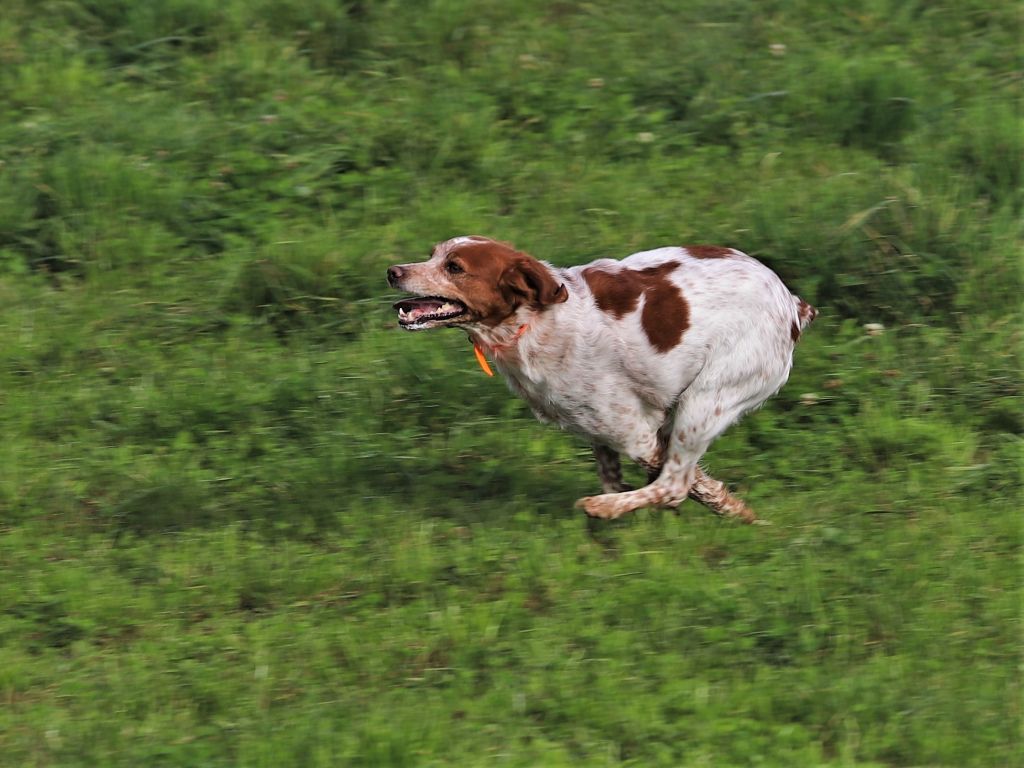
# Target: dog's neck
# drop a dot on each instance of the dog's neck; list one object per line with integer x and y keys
{"x": 513, "y": 345}
{"x": 482, "y": 349}
{"x": 506, "y": 335}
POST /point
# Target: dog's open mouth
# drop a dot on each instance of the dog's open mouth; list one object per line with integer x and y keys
{"x": 425, "y": 311}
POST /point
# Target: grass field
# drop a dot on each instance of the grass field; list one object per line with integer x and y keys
{"x": 245, "y": 521}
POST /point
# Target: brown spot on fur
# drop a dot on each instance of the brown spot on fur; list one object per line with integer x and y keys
{"x": 665, "y": 315}
{"x": 794, "y": 332}
{"x": 709, "y": 251}
{"x": 615, "y": 292}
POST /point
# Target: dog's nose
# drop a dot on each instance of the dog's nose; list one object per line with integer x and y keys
{"x": 394, "y": 275}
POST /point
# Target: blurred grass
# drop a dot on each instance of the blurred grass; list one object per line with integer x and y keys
{"x": 245, "y": 521}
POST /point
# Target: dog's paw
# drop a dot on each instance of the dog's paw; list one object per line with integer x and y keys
{"x": 598, "y": 506}
{"x": 743, "y": 514}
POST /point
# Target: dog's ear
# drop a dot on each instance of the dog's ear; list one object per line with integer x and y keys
{"x": 528, "y": 279}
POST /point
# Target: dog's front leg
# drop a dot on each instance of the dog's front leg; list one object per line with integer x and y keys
{"x": 609, "y": 470}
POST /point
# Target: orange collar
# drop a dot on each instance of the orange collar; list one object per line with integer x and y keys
{"x": 479, "y": 352}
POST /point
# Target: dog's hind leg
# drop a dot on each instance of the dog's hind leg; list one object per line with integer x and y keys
{"x": 710, "y": 492}
{"x": 703, "y": 414}
{"x": 715, "y": 496}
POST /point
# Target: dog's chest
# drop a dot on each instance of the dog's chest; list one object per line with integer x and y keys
{"x": 590, "y": 405}
{"x": 555, "y": 400}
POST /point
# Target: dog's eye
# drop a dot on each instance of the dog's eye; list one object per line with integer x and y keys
{"x": 454, "y": 268}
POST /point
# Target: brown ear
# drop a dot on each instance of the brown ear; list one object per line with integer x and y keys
{"x": 529, "y": 279}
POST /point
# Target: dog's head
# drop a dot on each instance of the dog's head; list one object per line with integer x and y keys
{"x": 472, "y": 281}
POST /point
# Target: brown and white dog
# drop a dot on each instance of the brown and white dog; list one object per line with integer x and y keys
{"x": 653, "y": 356}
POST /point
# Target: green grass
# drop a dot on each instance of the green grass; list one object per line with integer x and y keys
{"x": 246, "y": 521}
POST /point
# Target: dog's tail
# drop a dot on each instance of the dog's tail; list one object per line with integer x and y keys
{"x": 805, "y": 315}
{"x": 805, "y": 312}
